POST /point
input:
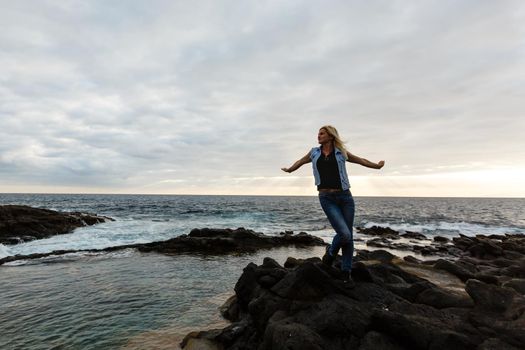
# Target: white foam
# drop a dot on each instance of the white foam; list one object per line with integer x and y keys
{"x": 93, "y": 256}
{"x": 99, "y": 236}
{"x": 4, "y": 251}
{"x": 131, "y": 231}
{"x": 448, "y": 228}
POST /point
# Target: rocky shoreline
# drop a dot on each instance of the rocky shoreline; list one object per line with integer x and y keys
{"x": 202, "y": 241}
{"x": 461, "y": 293}
{"x": 470, "y": 297}
{"x": 20, "y": 223}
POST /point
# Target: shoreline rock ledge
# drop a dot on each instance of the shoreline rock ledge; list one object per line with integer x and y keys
{"x": 394, "y": 304}
{"x": 21, "y": 223}
{"x": 207, "y": 241}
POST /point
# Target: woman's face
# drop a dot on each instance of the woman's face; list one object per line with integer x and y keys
{"x": 323, "y": 137}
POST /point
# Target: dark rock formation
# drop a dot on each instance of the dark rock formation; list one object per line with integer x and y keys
{"x": 307, "y": 305}
{"x": 441, "y": 239}
{"x": 20, "y": 223}
{"x": 204, "y": 241}
{"x": 413, "y": 235}
{"x": 494, "y": 260}
{"x": 226, "y": 241}
{"x": 379, "y": 231}
{"x": 493, "y": 247}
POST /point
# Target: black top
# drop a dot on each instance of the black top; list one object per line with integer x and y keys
{"x": 328, "y": 171}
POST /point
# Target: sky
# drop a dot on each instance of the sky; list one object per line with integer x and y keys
{"x": 214, "y": 97}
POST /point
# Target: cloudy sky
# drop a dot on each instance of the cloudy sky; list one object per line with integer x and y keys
{"x": 214, "y": 97}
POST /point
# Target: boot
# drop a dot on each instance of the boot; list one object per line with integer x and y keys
{"x": 347, "y": 279}
{"x": 327, "y": 258}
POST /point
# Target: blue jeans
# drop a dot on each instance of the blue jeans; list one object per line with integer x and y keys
{"x": 339, "y": 207}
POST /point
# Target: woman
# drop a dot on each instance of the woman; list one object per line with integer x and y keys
{"x": 328, "y": 163}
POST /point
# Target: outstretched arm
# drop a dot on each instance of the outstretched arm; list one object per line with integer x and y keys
{"x": 364, "y": 162}
{"x": 298, "y": 164}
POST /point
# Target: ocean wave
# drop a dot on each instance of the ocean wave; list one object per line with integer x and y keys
{"x": 448, "y": 228}
{"x": 193, "y": 211}
{"x": 4, "y": 251}
{"x": 51, "y": 259}
{"x": 98, "y": 237}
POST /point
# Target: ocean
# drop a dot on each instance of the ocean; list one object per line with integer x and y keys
{"x": 132, "y": 300}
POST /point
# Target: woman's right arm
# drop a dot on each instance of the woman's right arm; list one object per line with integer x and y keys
{"x": 298, "y": 164}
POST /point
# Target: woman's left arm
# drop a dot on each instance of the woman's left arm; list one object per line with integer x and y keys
{"x": 364, "y": 162}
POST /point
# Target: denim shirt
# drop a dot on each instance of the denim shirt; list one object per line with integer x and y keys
{"x": 315, "y": 153}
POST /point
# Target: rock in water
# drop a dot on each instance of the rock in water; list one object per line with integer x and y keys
{"x": 20, "y": 223}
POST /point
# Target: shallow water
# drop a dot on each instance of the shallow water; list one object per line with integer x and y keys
{"x": 126, "y": 300}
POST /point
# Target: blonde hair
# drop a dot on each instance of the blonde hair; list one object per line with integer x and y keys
{"x": 332, "y": 131}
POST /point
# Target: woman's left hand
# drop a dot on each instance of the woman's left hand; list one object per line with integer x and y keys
{"x": 380, "y": 164}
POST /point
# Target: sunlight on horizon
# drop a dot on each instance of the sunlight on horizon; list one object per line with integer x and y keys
{"x": 480, "y": 183}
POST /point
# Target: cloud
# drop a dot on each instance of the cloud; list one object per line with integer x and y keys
{"x": 120, "y": 96}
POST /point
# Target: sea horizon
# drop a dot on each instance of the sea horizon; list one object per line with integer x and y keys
{"x": 246, "y": 195}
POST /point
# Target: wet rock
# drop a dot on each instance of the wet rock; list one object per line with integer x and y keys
{"x": 485, "y": 248}
{"x": 441, "y": 239}
{"x": 469, "y": 264}
{"x": 492, "y": 325}
{"x": 502, "y": 262}
{"x": 292, "y": 262}
{"x": 518, "y": 284}
{"x": 494, "y": 299}
{"x": 238, "y": 333}
{"x": 207, "y": 241}
{"x": 379, "y": 255}
{"x": 379, "y": 231}
{"x": 409, "y": 292}
{"x": 15, "y": 240}
{"x": 413, "y": 235}
{"x": 516, "y": 270}
{"x": 374, "y": 340}
{"x": 514, "y": 244}
{"x": 285, "y": 335}
{"x": 395, "y": 308}
{"x": 454, "y": 269}
{"x": 202, "y": 341}
{"x": 441, "y": 299}
{"x": 309, "y": 307}
{"x": 412, "y": 259}
{"x": 388, "y": 273}
{"x": 270, "y": 263}
{"x": 382, "y": 242}
{"x": 379, "y": 243}
{"x": 419, "y": 333}
{"x": 20, "y": 223}
{"x": 308, "y": 282}
{"x": 336, "y": 314}
{"x": 269, "y": 276}
{"x": 426, "y": 250}
{"x": 496, "y": 344}
{"x": 463, "y": 242}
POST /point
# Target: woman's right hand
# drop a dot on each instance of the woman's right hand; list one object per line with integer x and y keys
{"x": 298, "y": 164}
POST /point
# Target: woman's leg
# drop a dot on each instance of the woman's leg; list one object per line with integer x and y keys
{"x": 347, "y": 205}
{"x": 336, "y": 214}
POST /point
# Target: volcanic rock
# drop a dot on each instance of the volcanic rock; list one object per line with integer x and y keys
{"x": 307, "y": 305}
{"x": 20, "y": 223}
{"x": 205, "y": 241}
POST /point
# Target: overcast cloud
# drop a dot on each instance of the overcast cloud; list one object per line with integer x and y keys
{"x": 216, "y": 96}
